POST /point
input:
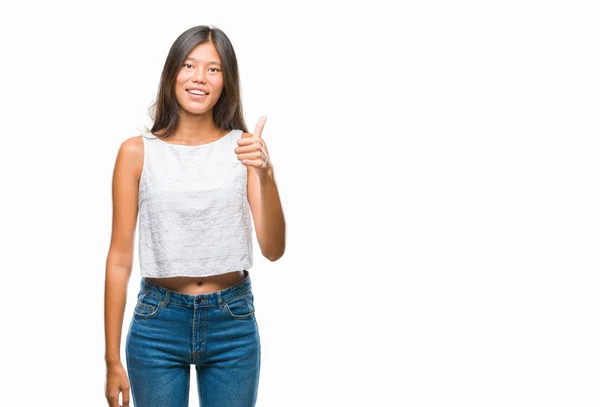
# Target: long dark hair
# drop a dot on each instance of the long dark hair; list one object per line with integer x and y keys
{"x": 227, "y": 112}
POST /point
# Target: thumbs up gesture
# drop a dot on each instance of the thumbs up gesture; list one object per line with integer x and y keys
{"x": 252, "y": 150}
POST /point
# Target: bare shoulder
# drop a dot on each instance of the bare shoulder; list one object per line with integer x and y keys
{"x": 134, "y": 142}
{"x": 132, "y": 146}
{"x": 131, "y": 156}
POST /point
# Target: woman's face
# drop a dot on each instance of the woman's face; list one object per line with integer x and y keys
{"x": 201, "y": 72}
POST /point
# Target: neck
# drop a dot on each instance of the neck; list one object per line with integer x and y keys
{"x": 196, "y": 128}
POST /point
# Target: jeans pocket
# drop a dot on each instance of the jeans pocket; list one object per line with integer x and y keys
{"x": 147, "y": 306}
{"x": 241, "y": 307}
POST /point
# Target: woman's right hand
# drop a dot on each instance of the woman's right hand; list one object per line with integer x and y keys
{"x": 116, "y": 382}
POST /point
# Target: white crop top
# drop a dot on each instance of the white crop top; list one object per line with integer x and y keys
{"x": 194, "y": 215}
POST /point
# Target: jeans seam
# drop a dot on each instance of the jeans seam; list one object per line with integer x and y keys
{"x": 194, "y": 337}
{"x": 188, "y": 388}
{"x": 243, "y": 317}
{"x": 199, "y": 384}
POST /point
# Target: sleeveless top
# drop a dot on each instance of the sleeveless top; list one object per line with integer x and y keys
{"x": 194, "y": 215}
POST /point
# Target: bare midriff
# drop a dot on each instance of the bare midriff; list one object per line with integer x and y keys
{"x": 199, "y": 285}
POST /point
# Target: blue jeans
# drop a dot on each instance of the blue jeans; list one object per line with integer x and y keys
{"x": 216, "y": 332}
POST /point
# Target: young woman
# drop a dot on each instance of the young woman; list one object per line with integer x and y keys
{"x": 193, "y": 180}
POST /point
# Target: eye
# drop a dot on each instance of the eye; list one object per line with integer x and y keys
{"x": 216, "y": 69}
{"x": 186, "y": 65}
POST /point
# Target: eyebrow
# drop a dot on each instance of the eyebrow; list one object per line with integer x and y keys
{"x": 209, "y": 62}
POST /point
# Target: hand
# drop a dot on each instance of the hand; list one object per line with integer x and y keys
{"x": 117, "y": 382}
{"x": 252, "y": 150}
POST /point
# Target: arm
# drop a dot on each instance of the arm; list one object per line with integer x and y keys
{"x": 119, "y": 260}
{"x": 267, "y": 212}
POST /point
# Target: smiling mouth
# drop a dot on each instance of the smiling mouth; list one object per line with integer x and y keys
{"x": 196, "y": 93}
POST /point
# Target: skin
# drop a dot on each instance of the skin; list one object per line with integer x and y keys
{"x": 196, "y": 127}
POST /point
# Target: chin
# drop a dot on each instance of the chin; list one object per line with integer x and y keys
{"x": 197, "y": 112}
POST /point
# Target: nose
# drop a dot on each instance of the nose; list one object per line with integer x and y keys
{"x": 199, "y": 75}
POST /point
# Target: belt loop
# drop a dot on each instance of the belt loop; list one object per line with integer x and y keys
{"x": 167, "y": 296}
{"x": 219, "y": 300}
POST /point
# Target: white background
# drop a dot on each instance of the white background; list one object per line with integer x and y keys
{"x": 438, "y": 169}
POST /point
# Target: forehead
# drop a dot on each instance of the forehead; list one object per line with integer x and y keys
{"x": 205, "y": 53}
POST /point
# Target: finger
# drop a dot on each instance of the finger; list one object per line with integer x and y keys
{"x": 259, "y": 126}
{"x": 246, "y": 141}
{"x": 254, "y": 163}
{"x": 247, "y": 148}
{"x": 125, "y": 398}
{"x": 254, "y": 155}
{"x": 113, "y": 400}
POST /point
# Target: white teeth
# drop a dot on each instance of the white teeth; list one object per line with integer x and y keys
{"x": 196, "y": 92}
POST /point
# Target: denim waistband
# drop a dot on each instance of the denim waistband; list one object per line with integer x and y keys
{"x": 167, "y": 296}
